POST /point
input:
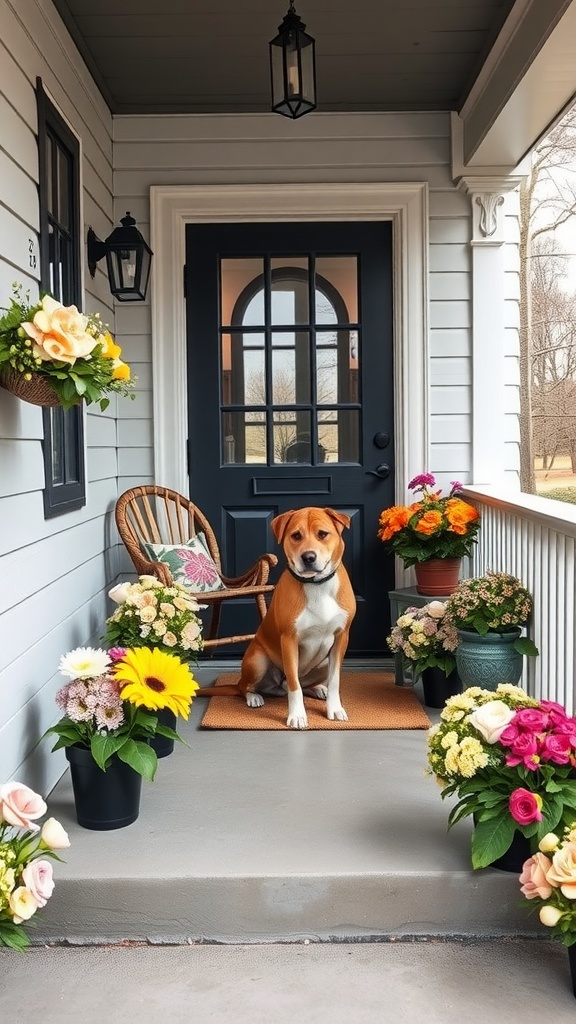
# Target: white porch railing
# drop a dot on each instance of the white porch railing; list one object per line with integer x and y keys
{"x": 535, "y": 539}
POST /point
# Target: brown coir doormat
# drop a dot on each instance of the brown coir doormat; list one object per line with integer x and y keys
{"x": 372, "y": 701}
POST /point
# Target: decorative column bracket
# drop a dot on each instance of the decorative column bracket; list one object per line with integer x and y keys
{"x": 487, "y": 197}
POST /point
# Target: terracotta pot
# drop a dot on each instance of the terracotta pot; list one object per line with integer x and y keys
{"x": 438, "y": 577}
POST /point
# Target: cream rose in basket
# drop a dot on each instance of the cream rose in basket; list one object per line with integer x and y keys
{"x": 60, "y": 332}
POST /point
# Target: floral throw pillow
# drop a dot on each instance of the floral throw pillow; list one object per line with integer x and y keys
{"x": 190, "y": 564}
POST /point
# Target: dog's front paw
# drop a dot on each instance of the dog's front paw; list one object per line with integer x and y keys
{"x": 254, "y": 700}
{"x": 320, "y": 692}
{"x": 297, "y": 722}
{"x": 337, "y": 714}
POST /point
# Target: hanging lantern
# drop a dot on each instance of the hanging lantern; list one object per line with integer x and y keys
{"x": 293, "y": 68}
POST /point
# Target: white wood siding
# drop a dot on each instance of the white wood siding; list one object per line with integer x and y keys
{"x": 371, "y": 147}
{"x": 54, "y": 572}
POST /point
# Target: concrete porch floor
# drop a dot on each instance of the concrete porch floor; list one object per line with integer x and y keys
{"x": 279, "y": 837}
{"x": 274, "y": 877}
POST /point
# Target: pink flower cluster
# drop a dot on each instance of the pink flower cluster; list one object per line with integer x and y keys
{"x": 93, "y": 700}
{"x": 537, "y": 735}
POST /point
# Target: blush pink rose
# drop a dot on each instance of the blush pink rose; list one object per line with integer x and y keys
{"x": 37, "y": 877}
{"x": 525, "y": 807}
{"x": 19, "y": 805}
{"x": 533, "y": 879}
{"x": 563, "y": 870}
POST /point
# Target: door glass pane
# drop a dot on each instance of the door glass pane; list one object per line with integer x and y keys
{"x": 292, "y": 437}
{"x": 289, "y": 298}
{"x": 243, "y": 369}
{"x": 341, "y": 273}
{"x": 336, "y": 367}
{"x": 339, "y": 435}
{"x": 235, "y": 276}
{"x": 290, "y": 367}
{"x": 244, "y": 438}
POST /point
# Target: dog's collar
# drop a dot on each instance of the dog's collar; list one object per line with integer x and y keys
{"x": 312, "y": 580}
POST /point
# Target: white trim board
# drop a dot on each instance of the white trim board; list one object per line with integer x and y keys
{"x": 173, "y": 207}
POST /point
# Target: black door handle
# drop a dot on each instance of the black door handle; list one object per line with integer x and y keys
{"x": 382, "y": 471}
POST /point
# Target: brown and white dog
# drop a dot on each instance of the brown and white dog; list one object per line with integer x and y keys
{"x": 301, "y": 642}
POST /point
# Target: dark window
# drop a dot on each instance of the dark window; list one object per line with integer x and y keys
{"x": 59, "y": 167}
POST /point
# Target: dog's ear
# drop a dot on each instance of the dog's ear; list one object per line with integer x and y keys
{"x": 340, "y": 520}
{"x": 280, "y": 524}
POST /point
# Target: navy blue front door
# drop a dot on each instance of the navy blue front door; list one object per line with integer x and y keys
{"x": 290, "y": 385}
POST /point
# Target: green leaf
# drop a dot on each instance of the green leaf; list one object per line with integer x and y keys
{"x": 490, "y": 839}
{"x": 104, "y": 746}
{"x": 524, "y": 645}
{"x": 13, "y": 936}
{"x": 140, "y": 757}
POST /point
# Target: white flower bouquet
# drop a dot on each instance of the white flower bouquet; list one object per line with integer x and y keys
{"x": 426, "y": 637}
{"x": 152, "y": 615}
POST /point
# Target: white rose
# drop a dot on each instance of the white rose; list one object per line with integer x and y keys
{"x": 491, "y": 719}
{"x": 548, "y": 843}
{"x": 54, "y": 835}
{"x": 436, "y": 609}
{"x": 120, "y": 592}
{"x": 549, "y": 916}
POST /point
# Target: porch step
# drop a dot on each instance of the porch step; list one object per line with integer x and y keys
{"x": 279, "y": 837}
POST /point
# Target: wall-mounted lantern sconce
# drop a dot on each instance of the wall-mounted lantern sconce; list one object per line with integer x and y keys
{"x": 293, "y": 68}
{"x": 128, "y": 260}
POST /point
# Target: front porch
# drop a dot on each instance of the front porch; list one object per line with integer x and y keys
{"x": 249, "y": 837}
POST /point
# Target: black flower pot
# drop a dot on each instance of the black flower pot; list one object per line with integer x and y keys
{"x": 514, "y": 857}
{"x": 438, "y": 686}
{"x": 163, "y": 745}
{"x": 571, "y": 950}
{"x": 103, "y": 800}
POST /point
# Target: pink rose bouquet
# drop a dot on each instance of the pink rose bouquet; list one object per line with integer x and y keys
{"x": 26, "y": 882}
{"x": 510, "y": 760}
{"x": 549, "y": 880}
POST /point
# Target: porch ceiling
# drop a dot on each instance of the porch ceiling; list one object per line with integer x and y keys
{"x": 211, "y": 56}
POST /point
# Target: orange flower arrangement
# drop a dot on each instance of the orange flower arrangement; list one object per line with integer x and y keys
{"x": 433, "y": 527}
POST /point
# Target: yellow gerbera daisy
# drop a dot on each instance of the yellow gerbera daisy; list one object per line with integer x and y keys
{"x": 155, "y": 680}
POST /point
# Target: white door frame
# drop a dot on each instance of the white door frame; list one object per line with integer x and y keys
{"x": 173, "y": 207}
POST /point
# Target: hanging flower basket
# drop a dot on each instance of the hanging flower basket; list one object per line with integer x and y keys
{"x": 36, "y": 391}
{"x": 53, "y": 355}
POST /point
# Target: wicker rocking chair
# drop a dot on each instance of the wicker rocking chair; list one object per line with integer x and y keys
{"x": 157, "y": 515}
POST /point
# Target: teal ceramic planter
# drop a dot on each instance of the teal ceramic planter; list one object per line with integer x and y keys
{"x": 488, "y": 660}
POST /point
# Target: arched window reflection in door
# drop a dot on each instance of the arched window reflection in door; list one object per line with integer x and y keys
{"x": 290, "y": 360}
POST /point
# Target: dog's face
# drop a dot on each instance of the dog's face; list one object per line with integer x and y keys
{"x": 312, "y": 540}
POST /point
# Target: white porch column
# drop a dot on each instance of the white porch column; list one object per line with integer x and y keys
{"x": 488, "y": 324}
